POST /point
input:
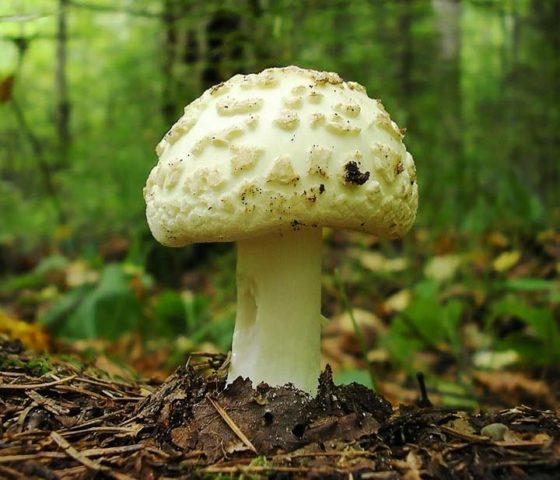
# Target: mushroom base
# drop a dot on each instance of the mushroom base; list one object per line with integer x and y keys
{"x": 278, "y": 324}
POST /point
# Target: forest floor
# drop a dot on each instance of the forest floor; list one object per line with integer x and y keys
{"x": 481, "y": 319}
{"x": 63, "y": 421}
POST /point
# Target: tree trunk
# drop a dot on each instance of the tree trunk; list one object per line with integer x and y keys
{"x": 63, "y": 103}
{"x": 448, "y": 21}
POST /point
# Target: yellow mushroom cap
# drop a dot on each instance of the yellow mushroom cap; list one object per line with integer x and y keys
{"x": 278, "y": 150}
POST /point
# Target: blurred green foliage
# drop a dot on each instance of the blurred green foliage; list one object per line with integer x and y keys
{"x": 447, "y": 315}
{"x": 475, "y": 83}
{"x": 110, "y": 300}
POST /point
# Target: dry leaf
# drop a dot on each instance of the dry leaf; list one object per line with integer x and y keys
{"x": 79, "y": 272}
{"x": 497, "y": 239}
{"x": 377, "y": 262}
{"x": 516, "y": 388}
{"x": 364, "y": 319}
{"x": 443, "y": 267}
{"x": 397, "y": 302}
{"x": 103, "y": 363}
{"x": 495, "y": 360}
{"x": 461, "y": 425}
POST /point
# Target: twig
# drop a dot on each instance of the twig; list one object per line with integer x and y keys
{"x": 74, "y": 389}
{"x": 424, "y": 400}
{"x": 73, "y": 472}
{"x": 79, "y": 457}
{"x": 231, "y": 424}
{"x": 34, "y": 386}
{"x": 354, "y": 453}
{"x": 28, "y": 435}
{"x": 105, "y": 383}
{"x": 258, "y": 469}
{"x": 122, "y": 399}
{"x": 94, "y": 421}
{"x": 464, "y": 436}
{"x": 47, "y": 403}
{"x": 23, "y": 415}
{"x": 91, "y": 452}
{"x": 7, "y": 472}
{"x": 99, "y": 452}
{"x": 71, "y": 433}
{"x": 30, "y": 456}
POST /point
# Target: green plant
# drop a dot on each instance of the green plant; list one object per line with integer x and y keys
{"x": 105, "y": 309}
{"x": 539, "y": 341}
{"x": 425, "y": 323}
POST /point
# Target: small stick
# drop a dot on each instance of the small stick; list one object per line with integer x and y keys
{"x": 99, "y": 452}
{"x": 47, "y": 403}
{"x": 30, "y": 456}
{"x": 231, "y": 424}
{"x": 257, "y": 469}
{"x": 30, "y": 386}
{"x": 8, "y": 472}
{"x": 93, "y": 421}
{"x": 108, "y": 429}
{"x": 423, "y": 401}
{"x": 72, "y": 452}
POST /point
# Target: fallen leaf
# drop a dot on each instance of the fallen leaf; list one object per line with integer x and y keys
{"x": 398, "y": 301}
{"x": 31, "y": 335}
{"x": 443, "y": 267}
{"x": 516, "y": 387}
{"x": 107, "y": 365}
{"x": 495, "y": 360}
{"x": 79, "y": 272}
{"x": 497, "y": 239}
{"x": 364, "y": 319}
{"x": 377, "y": 262}
{"x": 461, "y": 425}
{"x": 506, "y": 260}
{"x": 411, "y": 465}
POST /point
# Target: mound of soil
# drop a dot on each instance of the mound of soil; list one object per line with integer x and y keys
{"x": 191, "y": 413}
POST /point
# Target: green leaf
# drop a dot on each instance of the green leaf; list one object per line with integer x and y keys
{"x": 107, "y": 310}
{"x": 455, "y": 394}
{"x": 530, "y": 284}
{"x": 401, "y": 342}
{"x": 170, "y": 314}
{"x": 530, "y": 350}
{"x": 64, "y": 306}
{"x": 53, "y": 262}
{"x": 541, "y": 320}
{"x": 425, "y": 315}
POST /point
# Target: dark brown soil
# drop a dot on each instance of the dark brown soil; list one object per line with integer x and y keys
{"x": 62, "y": 421}
{"x": 189, "y": 413}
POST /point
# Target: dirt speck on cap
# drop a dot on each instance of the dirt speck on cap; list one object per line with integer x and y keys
{"x": 353, "y": 175}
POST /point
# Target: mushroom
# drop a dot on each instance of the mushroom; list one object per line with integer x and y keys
{"x": 266, "y": 160}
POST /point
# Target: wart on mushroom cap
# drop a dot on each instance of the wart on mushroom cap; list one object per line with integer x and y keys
{"x": 265, "y": 160}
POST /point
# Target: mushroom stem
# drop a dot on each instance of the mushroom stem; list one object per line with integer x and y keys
{"x": 278, "y": 324}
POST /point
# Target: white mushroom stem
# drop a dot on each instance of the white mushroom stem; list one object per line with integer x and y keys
{"x": 278, "y": 324}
